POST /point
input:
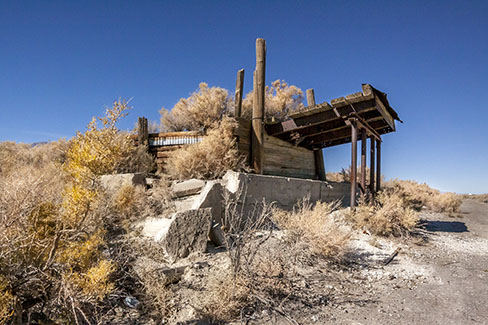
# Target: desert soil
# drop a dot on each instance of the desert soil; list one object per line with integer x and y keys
{"x": 440, "y": 276}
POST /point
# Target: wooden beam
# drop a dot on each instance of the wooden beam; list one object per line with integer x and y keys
{"x": 310, "y": 97}
{"x": 354, "y": 162}
{"x": 384, "y": 112}
{"x": 363, "y": 161}
{"x": 258, "y": 107}
{"x": 336, "y": 134}
{"x": 378, "y": 165}
{"x": 238, "y": 93}
{"x": 142, "y": 131}
{"x": 327, "y": 126}
{"x": 323, "y": 116}
{"x": 371, "y": 165}
{"x": 317, "y": 153}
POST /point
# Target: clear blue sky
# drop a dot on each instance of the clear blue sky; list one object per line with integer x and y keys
{"x": 62, "y": 62}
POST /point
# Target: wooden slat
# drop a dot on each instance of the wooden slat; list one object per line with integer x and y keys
{"x": 174, "y": 134}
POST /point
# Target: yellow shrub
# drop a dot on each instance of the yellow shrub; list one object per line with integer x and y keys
{"x": 95, "y": 282}
{"x": 6, "y": 301}
{"x": 82, "y": 254}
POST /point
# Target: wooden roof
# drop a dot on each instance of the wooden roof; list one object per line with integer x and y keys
{"x": 327, "y": 125}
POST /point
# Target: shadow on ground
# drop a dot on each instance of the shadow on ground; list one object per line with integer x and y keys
{"x": 444, "y": 226}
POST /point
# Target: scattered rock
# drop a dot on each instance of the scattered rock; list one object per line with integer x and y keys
{"x": 186, "y": 188}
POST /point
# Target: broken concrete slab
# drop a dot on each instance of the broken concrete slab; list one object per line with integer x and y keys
{"x": 212, "y": 197}
{"x": 113, "y": 183}
{"x": 186, "y": 188}
{"x": 187, "y": 233}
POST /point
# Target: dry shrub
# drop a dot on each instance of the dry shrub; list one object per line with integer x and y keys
{"x": 131, "y": 203}
{"x": 345, "y": 175}
{"x": 51, "y": 236}
{"x": 227, "y": 296}
{"x": 388, "y": 215}
{"x": 208, "y": 159}
{"x": 480, "y": 197}
{"x": 17, "y": 155}
{"x": 419, "y": 195}
{"x": 201, "y": 111}
{"x": 314, "y": 225}
{"x": 137, "y": 160}
{"x": 280, "y": 100}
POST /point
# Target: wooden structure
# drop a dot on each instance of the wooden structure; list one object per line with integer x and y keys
{"x": 294, "y": 147}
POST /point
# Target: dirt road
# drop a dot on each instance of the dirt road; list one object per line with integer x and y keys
{"x": 442, "y": 279}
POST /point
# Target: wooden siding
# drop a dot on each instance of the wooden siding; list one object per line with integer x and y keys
{"x": 284, "y": 159}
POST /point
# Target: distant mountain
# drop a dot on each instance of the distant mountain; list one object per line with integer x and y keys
{"x": 38, "y": 143}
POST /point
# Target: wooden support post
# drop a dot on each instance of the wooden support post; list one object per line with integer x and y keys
{"x": 363, "y": 161}
{"x": 238, "y": 93}
{"x": 317, "y": 153}
{"x": 310, "y": 97}
{"x": 319, "y": 164}
{"x": 371, "y": 165}
{"x": 258, "y": 107}
{"x": 354, "y": 161}
{"x": 142, "y": 131}
{"x": 378, "y": 165}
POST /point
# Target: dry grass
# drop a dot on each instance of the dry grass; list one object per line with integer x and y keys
{"x": 388, "y": 215}
{"x": 480, "y": 197}
{"x": 208, "y": 159}
{"x": 418, "y": 195}
{"x": 227, "y": 296}
{"x": 314, "y": 225}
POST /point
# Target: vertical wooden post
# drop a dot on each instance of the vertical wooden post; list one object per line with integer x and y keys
{"x": 238, "y": 93}
{"x": 258, "y": 107}
{"x": 378, "y": 165}
{"x": 363, "y": 161}
{"x": 317, "y": 153}
{"x": 371, "y": 165}
{"x": 354, "y": 161}
{"x": 310, "y": 97}
{"x": 142, "y": 131}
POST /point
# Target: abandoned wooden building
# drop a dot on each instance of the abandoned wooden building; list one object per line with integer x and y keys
{"x": 294, "y": 147}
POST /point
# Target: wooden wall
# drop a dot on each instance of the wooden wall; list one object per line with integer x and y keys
{"x": 284, "y": 159}
{"x": 280, "y": 157}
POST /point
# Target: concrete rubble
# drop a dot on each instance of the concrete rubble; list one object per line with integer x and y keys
{"x": 113, "y": 183}
{"x": 200, "y": 205}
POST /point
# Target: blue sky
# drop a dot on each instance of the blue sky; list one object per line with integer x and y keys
{"x": 62, "y": 62}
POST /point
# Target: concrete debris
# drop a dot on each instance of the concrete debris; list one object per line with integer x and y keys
{"x": 212, "y": 197}
{"x": 113, "y": 183}
{"x": 187, "y": 233}
{"x": 186, "y": 188}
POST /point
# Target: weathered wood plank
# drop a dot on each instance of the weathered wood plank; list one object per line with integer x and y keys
{"x": 238, "y": 93}
{"x": 258, "y": 107}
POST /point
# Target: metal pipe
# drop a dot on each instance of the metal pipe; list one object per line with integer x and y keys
{"x": 354, "y": 161}
{"x": 378, "y": 165}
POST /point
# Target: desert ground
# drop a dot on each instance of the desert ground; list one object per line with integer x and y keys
{"x": 438, "y": 277}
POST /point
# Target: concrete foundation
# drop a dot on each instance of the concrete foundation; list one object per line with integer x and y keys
{"x": 285, "y": 192}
